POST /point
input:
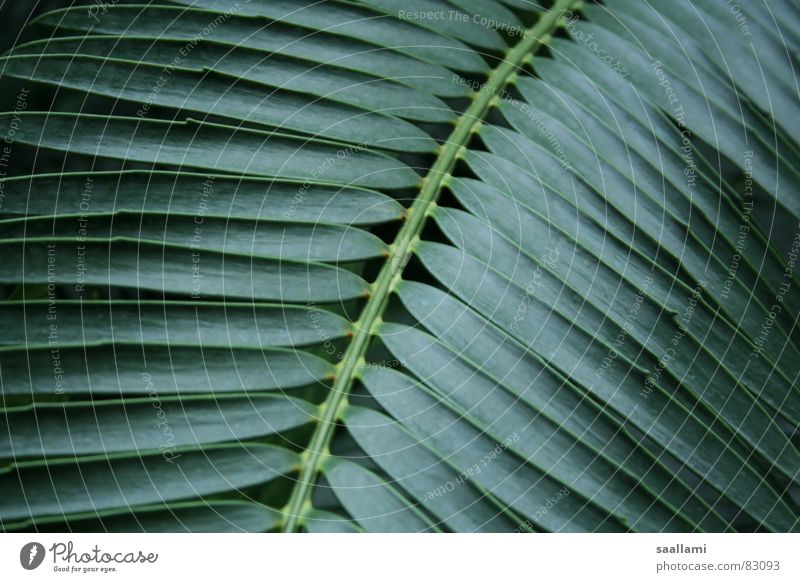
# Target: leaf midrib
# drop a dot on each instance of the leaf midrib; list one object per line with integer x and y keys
{"x": 401, "y": 249}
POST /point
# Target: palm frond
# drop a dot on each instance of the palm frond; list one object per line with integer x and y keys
{"x": 418, "y": 265}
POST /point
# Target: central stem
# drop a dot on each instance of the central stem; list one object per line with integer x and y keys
{"x": 318, "y": 448}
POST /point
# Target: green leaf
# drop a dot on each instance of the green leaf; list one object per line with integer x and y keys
{"x": 423, "y": 472}
{"x": 194, "y": 144}
{"x": 349, "y": 20}
{"x": 466, "y": 448}
{"x": 206, "y": 324}
{"x": 179, "y": 23}
{"x": 108, "y": 481}
{"x": 375, "y": 505}
{"x": 161, "y": 369}
{"x": 201, "y": 195}
{"x": 328, "y": 81}
{"x": 244, "y": 102}
{"x": 109, "y": 426}
{"x": 181, "y": 517}
{"x": 283, "y": 240}
{"x": 165, "y": 268}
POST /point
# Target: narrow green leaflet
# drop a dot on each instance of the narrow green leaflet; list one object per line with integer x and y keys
{"x": 109, "y": 426}
{"x": 121, "y": 262}
{"x": 370, "y": 92}
{"x": 205, "y": 323}
{"x": 243, "y": 102}
{"x": 196, "y": 144}
{"x": 202, "y": 195}
{"x": 375, "y": 505}
{"x": 181, "y": 517}
{"x": 283, "y": 240}
{"x": 175, "y": 22}
{"x": 349, "y": 20}
{"x": 155, "y": 369}
{"x": 84, "y": 484}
